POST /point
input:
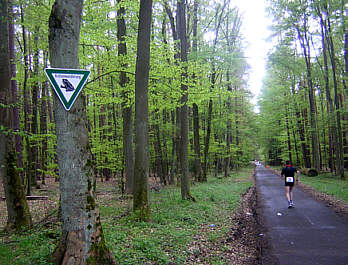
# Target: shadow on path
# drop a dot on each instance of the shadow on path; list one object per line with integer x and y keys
{"x": 308, "y": 234}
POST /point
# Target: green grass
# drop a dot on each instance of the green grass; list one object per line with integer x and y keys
{"x": 29, "y": 248}
{"x": 174, "y": 225}
{"x": 329, "y": 184}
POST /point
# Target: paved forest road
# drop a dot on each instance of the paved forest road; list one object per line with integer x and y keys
{"x": 308, "y": 234}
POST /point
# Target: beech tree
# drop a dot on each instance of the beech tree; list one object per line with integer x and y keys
{"x": 82, "y": 240}
{"x": 307, "y": 69}
{"x": 17, "y": 207}
{"x": 141, "y": 202}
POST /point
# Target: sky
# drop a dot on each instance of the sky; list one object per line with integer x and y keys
{"x": 255, "y": 31}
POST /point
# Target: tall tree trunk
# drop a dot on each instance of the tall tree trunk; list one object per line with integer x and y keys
{"x": 141, "y": 202}
{"x": 301, "y": 131}
{"x": 219, "y": 17}
{"x": 207, "y": 137}
{"x": 332, "y": 131}
{"x": 304, "y": 41}
{"x": 128, "y": 152}
{"x": 181, "y": 27}
{"x": 17, "y": 207}
{"x": 14, "y": 89}
{"x": 196, "y": 137}
{"x": 173, "y": 168}
{"x": 228, "y": 128}
{"x": 34, "y": 121}
{"x": 26, "y": 104}
{"x": 345, "y": 81}
{"x": 82, "y": 240}
{"x": 43, "y": 132}
{"x": 288, "y": 131}
{"x": 339, "y": 152}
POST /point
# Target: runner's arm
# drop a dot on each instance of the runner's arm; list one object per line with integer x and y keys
{"x": 297, "y": 175}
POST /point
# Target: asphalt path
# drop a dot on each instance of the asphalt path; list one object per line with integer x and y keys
{"x": 308, "y": 234}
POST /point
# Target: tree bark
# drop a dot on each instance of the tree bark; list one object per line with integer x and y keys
{"x": 141, "y": 202}
{"x": 17, "y": 207}
{"x": 332, "y": 131}
{"x": 304, "y": 41}
{"x": 196, "y": 137}
{"x": 14, "y": 89}
{"x": 26, "y": 100}
{"x": 184, "y": 126}
{"x": 339, "y": 152}
{"x": 34, "y": 120}
{"x": 82, "y": 240}
{"x": 128, "y": 152}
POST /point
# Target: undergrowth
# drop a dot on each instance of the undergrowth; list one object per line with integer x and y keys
{"x": 163, "y": 240}
{"x": 329, "y": 184}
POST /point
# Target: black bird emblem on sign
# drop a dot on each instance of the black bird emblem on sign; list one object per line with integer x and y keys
{"x": 67, "y": 85}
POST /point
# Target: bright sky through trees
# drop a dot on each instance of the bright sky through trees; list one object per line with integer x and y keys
{"x": 255, "y": 31}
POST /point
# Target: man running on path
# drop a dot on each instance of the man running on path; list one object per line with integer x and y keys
{"x": 289, "y": 172}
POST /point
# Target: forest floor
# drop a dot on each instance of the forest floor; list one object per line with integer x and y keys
{"x": 240, "y": 243}
{"x": 236, "y": 241}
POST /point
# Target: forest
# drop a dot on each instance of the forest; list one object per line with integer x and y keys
{"x": 166, "y": 103}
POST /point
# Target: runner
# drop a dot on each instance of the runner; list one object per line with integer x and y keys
{"x": 289, "y": 172}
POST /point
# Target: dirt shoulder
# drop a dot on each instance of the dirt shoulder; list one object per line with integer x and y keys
{"x": 240, "y": 245}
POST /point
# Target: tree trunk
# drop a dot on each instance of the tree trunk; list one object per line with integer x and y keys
{"x": 17, "y": 207}
{"x": 128, "y": 152}
{"x": 14, "y": 89}
{"x": 181, "y": 27}
{"x": 339, "y": 152}
{"x": 288, "y": 131}
{"x": 34, "y": 121}
{"x": 82, "y": 240}
{"x": 301, "y": 132}
{"x": 345, "y": 80}
{"x": 330, "y": 110}
{"x": 43, "y": 132}
{"x": 141, "y": 202}
{"x": 312, "y": 106}
{"x": 207, "y": 137}
{"x": 196, "y": 137}
{"x": 26, "y": 99}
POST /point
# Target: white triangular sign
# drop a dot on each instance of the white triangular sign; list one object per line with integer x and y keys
{"x": 67, "y": 83}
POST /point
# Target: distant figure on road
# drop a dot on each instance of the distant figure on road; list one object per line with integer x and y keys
{"x": 289, "y": 172}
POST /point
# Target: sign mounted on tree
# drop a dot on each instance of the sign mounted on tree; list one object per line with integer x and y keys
{"x": 67, "y": 83}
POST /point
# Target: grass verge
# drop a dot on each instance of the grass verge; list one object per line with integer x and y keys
{"x": 328, "y": 184}
{"x": 166, "y": 239}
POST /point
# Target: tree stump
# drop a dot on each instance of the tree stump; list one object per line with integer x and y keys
{"x": 310, "y": 172}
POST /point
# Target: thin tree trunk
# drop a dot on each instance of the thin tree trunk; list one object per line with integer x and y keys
{"x": 26, "y": 104}
{"x": 339, "y": 152}
{"x": 43, "y": 132}
{"x": 304, "y": 41}
{"x": 301, "y": 132}
{"x": 196, "y": 137}
{"x": 288, "y": 131}
{"x": 330, "y": 110}
{"x": 128, "y": 152}
{"x": 34, "y": 122}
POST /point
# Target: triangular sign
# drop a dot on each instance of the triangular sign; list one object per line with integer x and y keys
{"x": 67, "y": 83}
